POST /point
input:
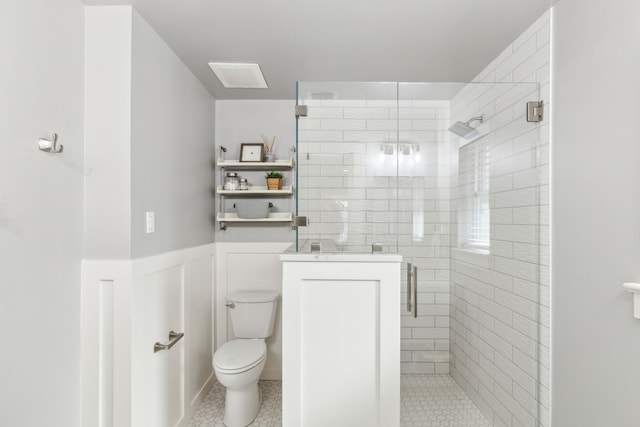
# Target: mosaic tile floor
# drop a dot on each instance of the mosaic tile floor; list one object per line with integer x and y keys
{"x": 210, "y": 413}
{"x": 426, "y": 400}
{"x": 436, "y": 401}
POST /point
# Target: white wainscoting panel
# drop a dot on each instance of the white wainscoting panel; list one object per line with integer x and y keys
{"x": 199, "y": 321}
{"x": 105, "y": 343}
{"x": 158, "y": 378}
{"x": 126, "y": 307}
{"x": 105, "y": 351}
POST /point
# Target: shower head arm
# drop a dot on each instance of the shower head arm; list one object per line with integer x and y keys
{"x": 473, "y": 119}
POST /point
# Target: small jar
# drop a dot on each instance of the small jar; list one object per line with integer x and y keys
{"x": 243, "y": 184}
{"x": 231, "y": 181}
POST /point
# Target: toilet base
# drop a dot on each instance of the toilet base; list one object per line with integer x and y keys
{"x": 241, "y": 406}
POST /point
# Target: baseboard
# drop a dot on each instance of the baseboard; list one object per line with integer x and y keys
{"x": 195, "y": 403}
{"x": 271, "y": 375}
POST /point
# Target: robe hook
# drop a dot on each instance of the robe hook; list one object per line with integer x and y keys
{"x": 50, "y": 145}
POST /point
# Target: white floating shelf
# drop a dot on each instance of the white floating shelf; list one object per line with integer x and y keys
{"x": 273, "y": 217}
{"x": 634, "y": 288}
{"x": 287, "y": 190}
{"x": 278, "y": 164}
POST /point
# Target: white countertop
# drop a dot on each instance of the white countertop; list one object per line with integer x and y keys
{"x": 339, "y": 257}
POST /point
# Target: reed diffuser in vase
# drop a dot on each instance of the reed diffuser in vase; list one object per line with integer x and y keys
{"x": 269, "y": 155}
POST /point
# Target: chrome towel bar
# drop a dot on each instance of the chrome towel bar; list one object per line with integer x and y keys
{"x": 174, "y": 337}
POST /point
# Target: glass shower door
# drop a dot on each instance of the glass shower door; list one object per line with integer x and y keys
{"x": 347, "y": 163}
{"x": 453, "y": 177}
{"x": 425, "y": 164}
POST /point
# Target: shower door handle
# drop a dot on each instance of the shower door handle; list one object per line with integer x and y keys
{"x": 412, "y": 288}
{"x": 409, "y": 276}
{"x": 415, "y": 291}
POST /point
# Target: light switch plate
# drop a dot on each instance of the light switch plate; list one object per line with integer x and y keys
{"x": 151, "y": 222}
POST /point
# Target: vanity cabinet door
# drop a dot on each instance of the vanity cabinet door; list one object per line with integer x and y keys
{"x": 341, "y": 348}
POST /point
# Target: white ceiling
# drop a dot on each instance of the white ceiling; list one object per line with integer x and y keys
{"x": 337, "y": 40}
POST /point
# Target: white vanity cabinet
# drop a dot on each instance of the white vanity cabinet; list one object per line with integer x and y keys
{"x": 341, "y": 340}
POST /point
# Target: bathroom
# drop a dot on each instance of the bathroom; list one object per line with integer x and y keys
{"x": 81, "y": 214}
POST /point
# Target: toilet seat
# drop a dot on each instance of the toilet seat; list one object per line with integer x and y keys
{"x": 240, "y": 355}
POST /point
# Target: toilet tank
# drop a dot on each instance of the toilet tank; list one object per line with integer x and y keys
{"x": 253, "y": 313}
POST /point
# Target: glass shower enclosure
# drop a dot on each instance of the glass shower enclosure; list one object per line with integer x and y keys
{"x": 453, "y": 177}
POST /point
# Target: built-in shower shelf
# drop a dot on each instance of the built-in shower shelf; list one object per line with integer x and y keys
{"x": 286, "y": 190}
{"x": 236, "y": 164}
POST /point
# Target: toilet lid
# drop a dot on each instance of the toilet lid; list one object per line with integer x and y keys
{"x": 239, "y": 355}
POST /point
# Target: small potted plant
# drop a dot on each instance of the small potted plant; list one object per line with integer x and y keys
{"x": 274, "y": 181}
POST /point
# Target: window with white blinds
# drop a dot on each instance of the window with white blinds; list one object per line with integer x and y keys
{"x": 473, "y": 196}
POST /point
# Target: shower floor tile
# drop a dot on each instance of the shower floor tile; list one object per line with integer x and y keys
{"x": 426, "y": 400}
{"x": 436, "y": 401}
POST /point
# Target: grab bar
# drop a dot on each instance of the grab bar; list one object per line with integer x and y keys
{"x": 174, "y": 337}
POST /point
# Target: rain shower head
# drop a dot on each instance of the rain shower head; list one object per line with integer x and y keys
{"x": 464, "y": 129}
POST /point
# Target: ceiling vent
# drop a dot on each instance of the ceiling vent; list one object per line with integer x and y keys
{"x": 239, "y": 75}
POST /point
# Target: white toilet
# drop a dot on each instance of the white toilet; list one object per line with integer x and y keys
{"x": 238, "y": 363}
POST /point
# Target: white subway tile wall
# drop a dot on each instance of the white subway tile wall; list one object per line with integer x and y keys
{"x": 379, "y": 171}
{"x": 499, "y": 301}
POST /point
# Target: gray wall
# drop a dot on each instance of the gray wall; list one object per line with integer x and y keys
{"x": 595, "y": 206}
{"x": 149, "y": 142}
{"x": 41, "y": 87}
{"x": 107, "y": 215}
{"x": 172, "y": 150}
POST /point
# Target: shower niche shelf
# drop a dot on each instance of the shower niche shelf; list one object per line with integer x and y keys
{"x": 255, "y": 191}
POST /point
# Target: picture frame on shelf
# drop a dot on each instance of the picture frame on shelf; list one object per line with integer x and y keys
{"x": 251, "y": 152}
